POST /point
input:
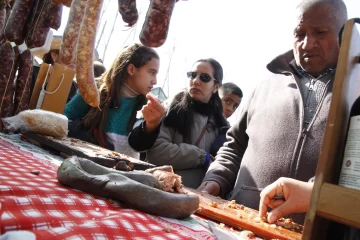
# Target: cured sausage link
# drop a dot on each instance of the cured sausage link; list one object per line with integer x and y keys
{"x": 53, "y": 14}
{"x": 128, "y": 11}
{"x": 2, "y": 18}
{"x": 7, "y": 66}
{"x": 70, "y": 38}
{"x": 14, "y": 30}
{"x": 156, "y": 26}
{"x": 82, "y": 174}
{"x": 8, "y": 105}
{"x": 23, "y": 82}
{"x": 39, "y": 29}
{"x": 85, "y": 56}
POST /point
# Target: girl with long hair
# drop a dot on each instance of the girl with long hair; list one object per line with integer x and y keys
{"x": 122, "y": 93}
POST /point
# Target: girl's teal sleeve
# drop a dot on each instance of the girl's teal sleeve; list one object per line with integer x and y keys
{"x": 76, "y": 108}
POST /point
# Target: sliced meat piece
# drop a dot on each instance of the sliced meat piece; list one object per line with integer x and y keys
{"x": 166, "y": 168}
{"x": 168, "y": 181}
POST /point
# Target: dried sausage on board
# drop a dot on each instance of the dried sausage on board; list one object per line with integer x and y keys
{"x": 85, "y": 56}
{"x": 137, "y": 188}
{"x": 157, "y": 21}
{"x": 70, "y": 38}
{"x": 23, "y": 82}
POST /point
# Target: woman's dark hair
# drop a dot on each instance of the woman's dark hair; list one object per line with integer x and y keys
{"x": 47, "y": 58}
{"x": 113, "y": 81}
{"x": 181, "y": 111}
{"x": 218, "y": 70}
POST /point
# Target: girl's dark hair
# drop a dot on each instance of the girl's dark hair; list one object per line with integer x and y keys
{"x": 180, "y": 114}
{"x": 113, "y": 81}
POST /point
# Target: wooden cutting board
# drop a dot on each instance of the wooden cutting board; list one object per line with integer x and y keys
{"x": 243, "y": 218}
{"x": 72, "y": 146}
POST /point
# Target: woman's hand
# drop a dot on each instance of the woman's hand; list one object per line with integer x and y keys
{"x": 296, "y": 198}
{"x": 153, "y": 112}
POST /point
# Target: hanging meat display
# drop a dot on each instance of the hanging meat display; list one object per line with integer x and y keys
{"x": 156, "y": 26}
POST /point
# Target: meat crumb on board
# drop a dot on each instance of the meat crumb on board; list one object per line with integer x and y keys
{"x": 213, "y": 204}
{"x": 167, "y": 229}
{"x": 35, "y": 172}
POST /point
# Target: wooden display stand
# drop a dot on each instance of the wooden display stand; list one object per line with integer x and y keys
{"x": 330, "y": 201}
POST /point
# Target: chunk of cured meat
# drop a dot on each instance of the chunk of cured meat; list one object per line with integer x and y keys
{"x": 166, "y": 168}
{"x": 156, "y": 26}
{"x": 70, "y": 38}
{"x": 53, "y": 14}
{"x": 23, "y": 82}
{"x": 128, "y": 11}
{"x": 7, "y": 67}
{"x": 85, "y": 54}
{"x": 168, "y": 181}
{"x": 40, "y": 28}
{"x": 136, "y": 189}
{"x": 14, "y": 30}
{"x": 3, "y": 5}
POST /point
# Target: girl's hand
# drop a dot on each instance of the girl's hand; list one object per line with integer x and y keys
{"x": 153, "y": 112}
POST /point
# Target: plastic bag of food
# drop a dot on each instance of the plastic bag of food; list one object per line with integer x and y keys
{"x": 38, "y": 121}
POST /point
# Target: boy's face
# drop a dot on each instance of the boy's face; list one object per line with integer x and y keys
{"x": 230, "y": 103}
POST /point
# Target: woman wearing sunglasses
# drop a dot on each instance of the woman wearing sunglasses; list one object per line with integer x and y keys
{"x": 190, "y": 126}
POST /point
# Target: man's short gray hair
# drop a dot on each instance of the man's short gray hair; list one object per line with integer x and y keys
{"x": 338, "y": 7}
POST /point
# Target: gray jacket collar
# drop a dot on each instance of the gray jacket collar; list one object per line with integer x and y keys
{"x": 281, "y": 63}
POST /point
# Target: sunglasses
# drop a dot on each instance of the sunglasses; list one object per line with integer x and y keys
{"x": 204, "y": 77}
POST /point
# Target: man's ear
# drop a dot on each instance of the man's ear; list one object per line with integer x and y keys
{"x": 131, "y": 69}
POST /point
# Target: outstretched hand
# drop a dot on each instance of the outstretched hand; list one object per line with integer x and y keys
{"x": 153, "y": 112}
{"x": 296, "y": 198}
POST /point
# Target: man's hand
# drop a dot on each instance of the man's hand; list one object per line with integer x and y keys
{"x": 296, "y": 198}
{"x": 210, "y": 187}
{"x": 153, "y": 112}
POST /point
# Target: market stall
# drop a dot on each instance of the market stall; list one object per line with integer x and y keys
{"x": 32, "y": 200}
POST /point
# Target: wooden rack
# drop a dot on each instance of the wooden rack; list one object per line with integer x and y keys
{"x": 329, "y": 201}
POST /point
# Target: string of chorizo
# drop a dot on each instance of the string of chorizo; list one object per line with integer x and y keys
{"x": 70, "y": 38}
{"x": 85, "y": 54}
{"x": 23, "y": 82}
{"x": 14, "y": 30}
{"x": 128, "y": 11}
{"x": 156, "y": 26}
{"x": 7, "y": 66}
{"x": 40, "y": 27}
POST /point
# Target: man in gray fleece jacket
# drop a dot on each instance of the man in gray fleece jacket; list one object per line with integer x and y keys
{"x": 280, "y": 131}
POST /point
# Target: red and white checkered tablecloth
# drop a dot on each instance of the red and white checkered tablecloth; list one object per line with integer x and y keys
{"x": 39, "y": 204}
